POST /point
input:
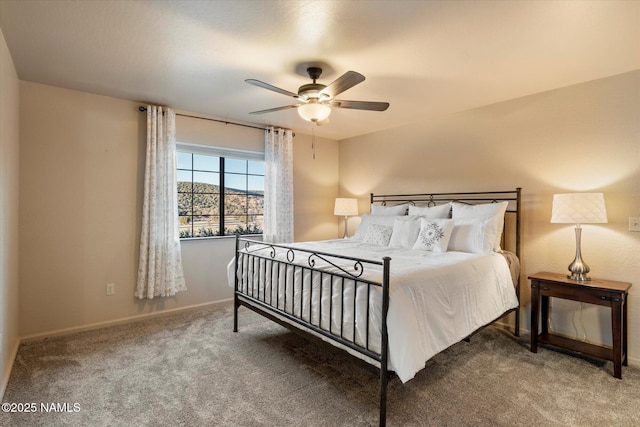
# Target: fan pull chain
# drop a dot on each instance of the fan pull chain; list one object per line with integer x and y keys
{"x": 313, "y": 142}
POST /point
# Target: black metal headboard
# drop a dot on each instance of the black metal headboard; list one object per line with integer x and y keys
{"x": 432, "y": 199}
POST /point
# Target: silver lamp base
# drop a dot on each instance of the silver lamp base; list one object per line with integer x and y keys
{"x": 579, "y": 277}
{"x": 578, "y": 267}
{"x": 345, "y": 227}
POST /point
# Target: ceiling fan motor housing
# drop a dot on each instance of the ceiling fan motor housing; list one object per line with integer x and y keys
{"x": 311, "y": 91}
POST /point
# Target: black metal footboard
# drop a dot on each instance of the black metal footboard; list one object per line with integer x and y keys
{"x": 340, "y": 299}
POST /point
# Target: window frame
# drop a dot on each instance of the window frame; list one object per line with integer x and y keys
{"x": 223, "y": 154}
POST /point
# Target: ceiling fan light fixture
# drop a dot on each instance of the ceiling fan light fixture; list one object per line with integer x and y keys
{"x": 314, "y": 111}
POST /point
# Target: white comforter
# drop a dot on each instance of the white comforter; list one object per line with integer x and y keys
{"x": 436, "y": 299}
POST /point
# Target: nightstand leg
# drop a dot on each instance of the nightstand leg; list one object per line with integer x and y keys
{"x": 624, "y": 331}
{"x": 616, "y": 324}
{"x": 544, "y": 303}
{"x": 535, "y": 312}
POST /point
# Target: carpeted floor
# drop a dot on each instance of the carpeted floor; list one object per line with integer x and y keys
{"x": 189, "y": 369}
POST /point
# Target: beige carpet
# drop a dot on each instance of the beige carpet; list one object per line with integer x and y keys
{"x": 190, "y": 370}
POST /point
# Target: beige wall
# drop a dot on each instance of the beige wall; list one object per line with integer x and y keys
{"x": 82, "y": 158}
{"x": 9, "y": 186}
{"x": 576, "y": 139}
{"x": 315, "y": 188}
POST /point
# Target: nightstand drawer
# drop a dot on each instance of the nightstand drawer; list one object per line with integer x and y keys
{"x": 578, "y": 293}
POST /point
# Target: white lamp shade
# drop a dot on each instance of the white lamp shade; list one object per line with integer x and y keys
{"x": 346, "y": 207}
{"x": 578, "y": 208}
{"x": 314, "y": 112}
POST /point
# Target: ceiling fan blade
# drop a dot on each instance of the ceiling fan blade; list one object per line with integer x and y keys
{"x": 271, "y": 110}
{"x": 342, "y": 83}
{"x": 361, "y": 105}
{"x": 270, "y": 87}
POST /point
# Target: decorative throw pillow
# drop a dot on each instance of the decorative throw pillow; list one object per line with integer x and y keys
{"x": 389, "y": 210}
{"x": 405, "y": 232}
{"x": 378, "y": 234}
{"x": 484, "y": 211}
{"x": 367, "y": 220}
{"x": 434, "y": 234}
{"x": 431, "y": 212}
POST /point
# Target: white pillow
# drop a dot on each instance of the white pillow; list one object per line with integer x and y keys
{"x": 434, "y": 234}
{"x": 473, "y": 235}
{"x": 405, "y": 232}
{"x": 368, "y": 220}
{"x": 378, "y": 234}
{"x": 433, "y": 212}
{"x": 389, "y": 210}
{"x": 484, "y": 211}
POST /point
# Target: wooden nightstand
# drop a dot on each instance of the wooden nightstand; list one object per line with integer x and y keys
{"x": 596, "y": 291}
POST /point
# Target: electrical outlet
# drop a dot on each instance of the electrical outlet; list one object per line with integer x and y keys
{"x": 111, "y": 288}
{"x": 634, "y": 223}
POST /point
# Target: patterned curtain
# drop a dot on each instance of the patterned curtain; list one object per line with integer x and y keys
{"x": 160, "y": 266}
{"x": 278, "y": 186}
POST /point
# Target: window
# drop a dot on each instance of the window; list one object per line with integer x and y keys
{"x": 220, "y": 192}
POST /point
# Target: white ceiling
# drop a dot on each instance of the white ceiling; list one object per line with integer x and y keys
{"x": 426, "y": 58}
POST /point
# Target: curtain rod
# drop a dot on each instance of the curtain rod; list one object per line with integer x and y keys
{"x": 141, "y": 108}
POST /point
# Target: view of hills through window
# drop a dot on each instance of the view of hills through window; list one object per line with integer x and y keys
{"x": 219, "y": 196}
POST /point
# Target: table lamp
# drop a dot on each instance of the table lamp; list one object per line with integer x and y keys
{"x": 345, "y": 207}
{"x": 578, "y": 208}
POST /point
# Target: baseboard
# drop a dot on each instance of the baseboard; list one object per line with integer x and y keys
{"x": 7, "y": 371}
{"x": 105, "y": 324}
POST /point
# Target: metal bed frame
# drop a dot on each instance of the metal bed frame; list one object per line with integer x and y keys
{"x": 257, "y": 271}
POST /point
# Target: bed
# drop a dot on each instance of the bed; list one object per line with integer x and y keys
{"x": 422, "y": 272}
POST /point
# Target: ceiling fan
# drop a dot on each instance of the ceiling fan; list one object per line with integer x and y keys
{"x": 317, "y": 99}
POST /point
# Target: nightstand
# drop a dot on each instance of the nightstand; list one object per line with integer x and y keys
{"x": 596, "y": 291}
